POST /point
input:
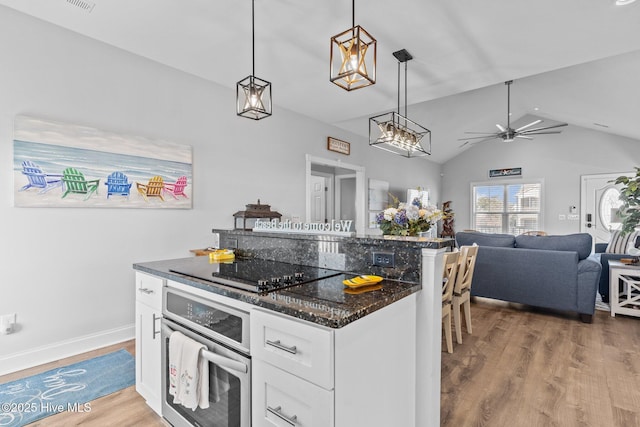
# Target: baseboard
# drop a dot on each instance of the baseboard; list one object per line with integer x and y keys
{"x": 49, "y": 353}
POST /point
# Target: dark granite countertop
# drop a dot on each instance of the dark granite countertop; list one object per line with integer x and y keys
{"x": 326, "y": 302}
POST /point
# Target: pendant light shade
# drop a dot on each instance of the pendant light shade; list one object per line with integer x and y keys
{"x": 253, "y": 94}
{"x": 353, "y": 57}
{"x": 396, "y": 133}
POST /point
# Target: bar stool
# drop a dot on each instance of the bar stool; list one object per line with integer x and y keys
{"x": 462, "y": 289}
{"x": 448, "y": 281}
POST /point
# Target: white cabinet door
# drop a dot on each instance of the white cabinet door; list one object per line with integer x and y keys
{"x": 148, "y": 340}
{"x": 281, "y": 399}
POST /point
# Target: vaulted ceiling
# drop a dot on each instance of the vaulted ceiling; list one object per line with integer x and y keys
{"x": 576, "y": 61}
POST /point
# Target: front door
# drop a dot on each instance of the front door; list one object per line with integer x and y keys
{"x": 599, "y": 196}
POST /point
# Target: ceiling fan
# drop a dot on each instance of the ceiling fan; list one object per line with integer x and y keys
{"x": 508, "y": 134}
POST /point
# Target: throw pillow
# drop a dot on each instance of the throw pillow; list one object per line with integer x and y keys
{"x": 619, "y": 242}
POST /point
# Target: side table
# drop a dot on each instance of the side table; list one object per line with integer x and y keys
{"x": 624, "y": 288}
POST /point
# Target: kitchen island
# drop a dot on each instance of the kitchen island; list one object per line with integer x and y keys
{"x": 377, "y": 359}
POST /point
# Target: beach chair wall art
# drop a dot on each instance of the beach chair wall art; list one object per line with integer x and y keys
{"x": 57, "y": 164}
{"x": 75, "y": 183}
{"x": 38, "y": 179}
{"x": 118, "y": 184}
{"x": 152, "y": 189}
{"x": 176, "y": 188}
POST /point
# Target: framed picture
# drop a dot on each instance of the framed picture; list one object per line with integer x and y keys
{"x": 338, "y": 146}
{"x": 59, "y": 164}
{"x": 496, "y": 173}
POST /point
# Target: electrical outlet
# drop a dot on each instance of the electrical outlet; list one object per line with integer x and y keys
{"x": 562, "y": 217}
{"x": 384, "y": 259}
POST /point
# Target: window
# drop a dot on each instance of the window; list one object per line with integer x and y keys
{"x": 610, "y": 202}
{"x": 513, "y": 208}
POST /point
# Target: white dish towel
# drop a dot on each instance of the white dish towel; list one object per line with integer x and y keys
{"x": 188, "y": 372}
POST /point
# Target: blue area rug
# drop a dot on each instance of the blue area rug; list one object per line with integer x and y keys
{"x": 65, "y": 389}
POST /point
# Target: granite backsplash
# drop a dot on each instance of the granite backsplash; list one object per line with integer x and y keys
{"x": 349, "y": 254}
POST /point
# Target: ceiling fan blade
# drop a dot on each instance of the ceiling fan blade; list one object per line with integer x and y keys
{"x": 543, "y": 133}
{"x": 482, "y": 133}
{"x": 544, "y": 128}
{"x": 523, "y": 137}
{"x": 500, "y": 127}
{"x": 492, "y": 136}
{"x": 529, "y": 125}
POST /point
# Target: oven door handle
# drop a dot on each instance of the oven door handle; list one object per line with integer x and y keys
{"x": 221, "y": 361}
{"x": 224, "y": 362}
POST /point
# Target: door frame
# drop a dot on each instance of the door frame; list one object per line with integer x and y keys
{"x": 583, "y": 193}
{"x": 360, "y": 201}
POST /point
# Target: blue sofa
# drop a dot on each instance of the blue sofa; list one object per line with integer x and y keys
{"x": 553, "y": 272}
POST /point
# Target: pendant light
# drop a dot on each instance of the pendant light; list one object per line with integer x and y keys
{"x": 253, "y": 94}
{"x": 396, "y": 133}
{"x": 353, "y": 57}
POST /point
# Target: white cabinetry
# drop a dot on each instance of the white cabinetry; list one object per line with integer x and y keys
{"x": 148, "y": 339}
{"x": 360, "y": 374}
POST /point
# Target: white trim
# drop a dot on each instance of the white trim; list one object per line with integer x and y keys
{"x": 583, "y": 193}
{"x": 360, "y": 202}
{"x": 62, "y": 349}
{"x": 505, "y": 182}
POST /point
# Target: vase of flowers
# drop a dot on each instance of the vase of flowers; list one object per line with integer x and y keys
{"x": 408, "y": 219}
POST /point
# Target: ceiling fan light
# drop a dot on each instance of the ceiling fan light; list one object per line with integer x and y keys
{"x": 624, "y": 2}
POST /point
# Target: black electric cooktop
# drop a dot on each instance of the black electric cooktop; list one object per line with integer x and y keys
{"x": 256, "y": 275}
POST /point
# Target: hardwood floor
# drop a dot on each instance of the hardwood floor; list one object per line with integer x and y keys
{"x": 526, "y": 367}
{"x": 521, "y": 367}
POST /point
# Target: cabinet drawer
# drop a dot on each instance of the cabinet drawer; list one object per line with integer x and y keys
{"x": 284, "y": 400}
{"x": 299, "y": 348}
{"x": 149, "y": 290}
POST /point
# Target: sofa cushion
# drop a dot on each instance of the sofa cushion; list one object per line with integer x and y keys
{"x": 620, "y": 242}
{"x": 468, "y": 238}
{"x": 579, "y": 242}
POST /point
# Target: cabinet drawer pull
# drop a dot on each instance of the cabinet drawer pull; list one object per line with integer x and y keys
{"x": 277, "y": 344}
{"x": 146, "y": 290}
{"x": 278, "y": 413}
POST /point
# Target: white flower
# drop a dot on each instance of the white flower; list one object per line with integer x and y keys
{"x": 390, "y": 213}
{"x": 412, "y": 212}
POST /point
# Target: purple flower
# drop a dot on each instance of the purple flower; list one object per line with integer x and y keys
{"x": 401, "y": 218}
{"x": 379, "y": 217}
{"x": 416, "y": 202}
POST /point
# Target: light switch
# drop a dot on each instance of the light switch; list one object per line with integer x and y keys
{"x": 574, "y": 217}
{"x": 562, "y": 217}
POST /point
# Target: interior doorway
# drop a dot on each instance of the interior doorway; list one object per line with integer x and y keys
{"x": 599, "y": 195}
{"x": 343, "y": 195}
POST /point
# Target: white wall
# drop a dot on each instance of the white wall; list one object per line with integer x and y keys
{"x": 559, "y": 160}
{"x": 67, "y": 271}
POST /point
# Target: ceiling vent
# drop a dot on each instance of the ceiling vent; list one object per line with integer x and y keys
{"x": 87, "y": 6}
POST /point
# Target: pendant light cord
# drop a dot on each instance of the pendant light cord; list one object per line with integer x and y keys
{"x": 405, "y": 88}
{"x": 406, "y": 114}
{"x": 253, "y": 39}
{"x": 353, "y": 13}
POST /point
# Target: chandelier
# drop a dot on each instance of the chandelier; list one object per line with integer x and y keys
{"x": 396, "y": 133}
{"x": 353, "y": 57}
{"x": 253, "y": 94}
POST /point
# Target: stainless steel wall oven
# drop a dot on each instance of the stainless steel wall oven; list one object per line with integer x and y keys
{"x": 224, "y": 331}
